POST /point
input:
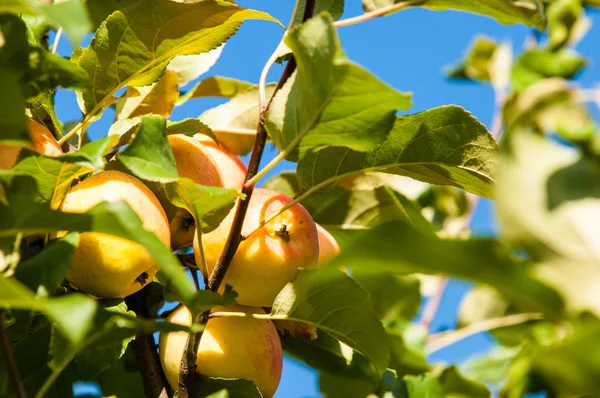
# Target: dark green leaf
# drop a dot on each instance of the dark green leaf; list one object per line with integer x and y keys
{"x": 235, "y": 387}
{"x": 332, "y": 301}
{"x": 323, "y": 354}
{"x": 123, "y": 378}
{"x": 357, "y": 380}
{"x": 99, "y": 10}
{"x": 124, "y": 53}
{"x": 330, "y": 101}
{"x": 149, "y": 156}
{"x": 204, "y": 300}
{"x": 397, "y": 248}
{"x": 537, "y": 64}
{"x": 407, "y": 360}
{"x": 334, "y": 7}
{"x": 45, "y": 272}
{"x": 528, "y": 12}
{"x": 444, "y": 145}
{"x": 189, "y": 127}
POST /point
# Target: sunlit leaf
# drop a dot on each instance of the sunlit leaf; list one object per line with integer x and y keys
{"x": 158, "y": 98}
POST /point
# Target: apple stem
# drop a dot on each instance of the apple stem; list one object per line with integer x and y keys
{"x": 7, "y": 352}
{"x": 153, "y": 377}
{"x": 187, "y": 368}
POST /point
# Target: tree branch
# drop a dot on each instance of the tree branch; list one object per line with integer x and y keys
{"x": 188, "y": 366}
{"x": 6, "y": 350}
{"x": 155, "y": 382}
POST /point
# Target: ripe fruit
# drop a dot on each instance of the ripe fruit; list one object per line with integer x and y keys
{"x": 241, "y": 348}
{"x": 42, "y": 141}
{"x": 108, "y": 266}
{"x": 328, "y": 247}
{"x": 267, "y": 260}
{"x": 201, "y": 160}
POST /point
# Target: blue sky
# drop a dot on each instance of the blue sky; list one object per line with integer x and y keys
{"x": 407, "y": 50}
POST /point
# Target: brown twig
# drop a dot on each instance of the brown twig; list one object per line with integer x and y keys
{"x": 186, "y": 372}
{"x": 6, "y": 349}
{"x": 155, "y": 382}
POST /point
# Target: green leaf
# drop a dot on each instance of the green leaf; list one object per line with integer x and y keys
{"x": 537, "y": 64}
{"x": 323, "y": 354}
{"x": 54, "y": 175}
{"x": 447, "y": 383}
{"x": 550, "y": 210}
{"x": 475, "y": 64}
{"x": 209, "y": 386}
{"x": 204, "y": 300}
{"x": 528, "y": 12}
{"x": 493, "y": 366}
{"x": 13, "y": 61}
{"x": 22, "y": 214}
{"x": 124, "y": 53}
{"x": 123, "y": 378}
{"x": 99, "y": 10}
{"x": 334, "y": 7}
{"x": 72, "y": 314}
{"x": 189, "y": 127}
{"x": 357, "y": 380}
{"x": 234, "y": 122}
{"x": 397, "y": 248}
{"x": 149, "y": 155}
{"x": 191, "y": 67}
{"x": 330, "y": 101}
{"x": 46, "y": 271}
{"x": 333, "y": 302}
{"x": 208, "y": 205}
{"x": 407, "y": 359}
{"x": 216, "y": 86}
{"x": 286, "y": 183}
{"x": 158, "y": 98}
{"x": 71, "y": 15}
{"x": 444, "y": 145}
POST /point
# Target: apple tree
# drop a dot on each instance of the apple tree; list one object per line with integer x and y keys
{"x": 153, "y": 262}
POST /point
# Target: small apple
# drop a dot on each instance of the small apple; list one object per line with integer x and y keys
{"x": 42, "y": 141}
{"x": 200, "y": 159}
{"x": 107, "y": 266}
{"x": 241, "y": 348}
{"x": 268, "y": 259}
{"x": 328, "y": 246}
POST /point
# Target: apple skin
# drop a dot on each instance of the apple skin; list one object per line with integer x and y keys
{"x": 42, "y": 141}
{"x": 328, "y": 246}
{"x": 203, "y": 161}
{"x": 241, "y": 348}
{"x": 267, "y": 260}
{"x": 108, "y": 266}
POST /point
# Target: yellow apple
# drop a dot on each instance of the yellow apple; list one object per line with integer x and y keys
{"x": 328, "y": 246}
{"x": 201, "y": 160}
{"x": 267, "y": 260}
{"x": 42, "y": 141}
{"x": 107, "y": 266}
{"x": 241, "y": 348}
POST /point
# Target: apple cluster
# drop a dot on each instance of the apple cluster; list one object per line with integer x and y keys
{"x": 106, "y": 266}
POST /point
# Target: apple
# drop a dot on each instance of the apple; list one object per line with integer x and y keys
{"x": 268, "y": 259}
{"x": 203, "y": 161}
{"x": 241, "y": 348}
{"x": 107, "y": 266}
{"x": 328, "y": 246}
{"x": 42, "y": 141}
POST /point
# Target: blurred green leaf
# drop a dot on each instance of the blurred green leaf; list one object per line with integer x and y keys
{"x": 493, "y": 366}
{"x": 397, "y": 248}
{"x": 444, "y": 145}
{"x": 123, "y": 378}
{"x": 216, "y": 86}
{"x": 204, "y": 300}
{"x": 124, "y": 53}
{"x": 332, "y": 301}
{"x": 447, "y": 383}
{"x": 562, "y": 18}
{"x": 149, "y": 155}
{"x": 208, "y": 205}
{"x": 330, "y": 101}
{"x": 528, "y": 12}
{"x": 537, "y": 64}
{"x": 323, "y": 354}
{"x": 474, "y": 66}
{"x": 158, "y": 98}
{"x": 357, "y": 380}
{"x": 334, "y": 7}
